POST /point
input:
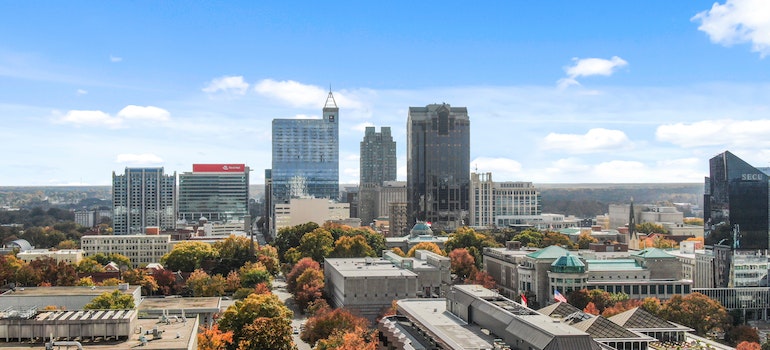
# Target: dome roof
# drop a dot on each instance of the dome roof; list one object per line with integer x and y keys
{"x": 421, "y": 228}
{"x": 568, "y": 264}
{"x": 568, "y": 260}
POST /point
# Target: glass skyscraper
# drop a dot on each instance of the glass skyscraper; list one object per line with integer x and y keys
{"x": 306, "y": 156}
{"x": 378, "y": 164}
{"x": 438, "y": 165}
{"x": 218, "y": 192}
{"x": 143, "y": 197}
{"x": 736, "y": 204}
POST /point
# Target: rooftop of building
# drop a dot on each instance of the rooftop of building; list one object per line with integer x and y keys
{"x": 65, "y": 291}
{"x": 432, "y": 314}
{"x": 550, "y": 252}
{"x": 653, "y": 253}
{"x": 613, "y": 265}
{"x": 366, "y": 267}
{"x": 211, "y": 304}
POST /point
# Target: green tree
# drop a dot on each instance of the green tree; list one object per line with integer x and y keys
{"x": 234, "y": 251}
{"x": 188, "y": 256}
{"x": 529, "y": 238}
{"x": 650, "y": 228}
{"x": 289, "y": 237}
{"x": 317, "y": 244}
{"x": 261, "y": 321}
{"x": 119, "y": 259}
{"x": 555, "y": 238}
{"x": 253, "y": 274}
{"x": 115, "y": 300}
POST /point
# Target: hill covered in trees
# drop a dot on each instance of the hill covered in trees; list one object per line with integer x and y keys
{"x": 589, "y": 200}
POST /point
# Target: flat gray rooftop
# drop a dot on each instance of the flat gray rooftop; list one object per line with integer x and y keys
{"x": 360, "y": 267}
{"x": 432, "y": 314}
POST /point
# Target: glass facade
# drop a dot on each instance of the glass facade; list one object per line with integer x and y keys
{"x": 306, "y": 156}
{"x": 378, "y": 164}
{"x": 143, "y": 197}
{"x": 737, "y": 204}
{"x": 438, "y": 166}
{"x": 217, "y": 196}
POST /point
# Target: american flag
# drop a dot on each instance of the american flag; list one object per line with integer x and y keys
{"x": 558, "y": 296}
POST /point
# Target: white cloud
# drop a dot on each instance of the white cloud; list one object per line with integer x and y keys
{"x": 295, "y": 93}
{"x": 138, "y": 159}
{"x": 738, "y": 21}
{"x": 91, "y": 118}
{"x": 99, "y": 118}
{"x": 590, "y": 66}
{"x": 595, "y": 140}
{"x": 81, "y": 92}
{"x": 227, "y": 85}
{"x": 115, "y": 59}
{"x": 502, "y": 169}
{"x": 144, "y": 113}
{"x": 303, "y": 95}
{"x": 567, "y": 166}
{"x": 725, "y": 132}
{"x": 362, "y": 127}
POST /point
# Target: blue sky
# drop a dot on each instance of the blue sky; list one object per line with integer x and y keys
{"x": 563, "y": 92}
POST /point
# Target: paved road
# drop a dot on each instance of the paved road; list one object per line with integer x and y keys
{"x": 279, "y": 289}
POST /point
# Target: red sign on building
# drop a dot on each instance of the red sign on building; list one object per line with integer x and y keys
{"x": 219, "y": 168}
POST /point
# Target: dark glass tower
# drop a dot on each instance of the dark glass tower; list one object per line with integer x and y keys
{"x": 438, "y": 165}
{"x": 736, "y": 204}
{"x": 378, "y": 164}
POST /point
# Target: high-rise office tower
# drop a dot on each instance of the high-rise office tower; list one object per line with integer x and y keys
{"x": 306, "y": 156}
{"x": 378, "y": 164}
{"x": 143, "y": 197}
{"x": 438, "y": 165}
{"x": 500, "y": 204}
{"x": 218, "y": 192}
{"x": 736, "y": 204}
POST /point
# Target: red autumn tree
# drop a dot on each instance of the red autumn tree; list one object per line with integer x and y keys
{"x": 591, "y": 309}
{"x": 300, "y": 267}
{"x": 462, "y": 263}
{"x": 745, "y": 345}
{"x": 323, "y": 325}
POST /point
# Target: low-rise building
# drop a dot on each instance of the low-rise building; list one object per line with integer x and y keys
{"x": 302, "y": 210}
{"x": 648, "y": 273}
{"x": 141, "y": 249}
{"x": 369, "y": 285}
{"x": 68, "y": 256}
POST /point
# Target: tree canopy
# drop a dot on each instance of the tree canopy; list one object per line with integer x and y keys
{"x": 115, "y": 300}
{"x": 261, "y": 321}
{"x": 188, "y": 256}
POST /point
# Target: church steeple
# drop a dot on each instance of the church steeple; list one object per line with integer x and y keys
{"x": 631, "y": 220}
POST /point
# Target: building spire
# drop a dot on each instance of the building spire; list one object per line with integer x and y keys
{"x": 330, "y": 102}
{"x": 631, "y": 220}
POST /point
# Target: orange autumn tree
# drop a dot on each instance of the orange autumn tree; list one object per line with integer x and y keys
{"x": 214, "y": 339}
{"x": 745, "y": 345}
{"x": 356, "y": 339}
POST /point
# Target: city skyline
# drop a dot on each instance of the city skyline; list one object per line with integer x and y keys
{"x": 574, "y": 92}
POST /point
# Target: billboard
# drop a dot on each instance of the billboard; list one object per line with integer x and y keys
{"x": 219, "y": 168}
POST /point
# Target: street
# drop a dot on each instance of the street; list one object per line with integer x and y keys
{"x": 279, "y": 289}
